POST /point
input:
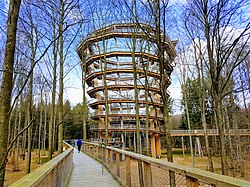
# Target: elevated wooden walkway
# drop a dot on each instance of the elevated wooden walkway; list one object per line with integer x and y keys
{"x": 122, "y": 166}
{"x": 88, "y": 172}
{"x": 174, "y": 133}
{"x": 210, "y": 132}
{"x": 135, "y": 170}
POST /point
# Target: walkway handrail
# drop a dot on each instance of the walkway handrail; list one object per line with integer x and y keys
{"x": 123, "y": 165}
{"x": 53, "y": 173}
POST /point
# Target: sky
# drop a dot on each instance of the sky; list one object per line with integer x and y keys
{"x": 73, "y": 86}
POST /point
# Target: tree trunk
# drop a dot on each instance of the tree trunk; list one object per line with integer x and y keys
{"x": 24, "y": 135}
{"x": 105, "y": 94}
{"x": 6, "y": 86}
{"x": 10, "y": 129}
{"x": 54, "y": 131}
{"x": 30, "y": 95}
{"x": 137, "y": 106}
{"x": 84, "y": 101}
{"x": 163, "y": 87}
{"x": 45, "y": 125}
{"x": 236, "y": 132}
{"x": 29, "y": 115}
{"x": 188, "y": 121}
{"x": 60, "y": 100}
{"x": 218, "y": 113}
{"x": 216, "y": 93}
{"x": 53, "y": 99}
{"x": 147, "y": 109}
{"x": 16, "y": 167}
{"x": 136, "y": 96}
{"x": 202, "y": 91}
{"x": 15, "y": 111}
{"x": 40, "y": 128}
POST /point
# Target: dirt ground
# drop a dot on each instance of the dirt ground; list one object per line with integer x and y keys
{"x": 12, "y": 176}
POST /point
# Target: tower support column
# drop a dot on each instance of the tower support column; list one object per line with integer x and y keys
{"x": 152, "y": 139}
{"x": 158, "y": 145}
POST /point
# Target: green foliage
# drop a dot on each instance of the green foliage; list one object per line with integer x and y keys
{"x": 170, "y": 105}
{"x": 193, "y": 104}
{"x": 73, "y": 120}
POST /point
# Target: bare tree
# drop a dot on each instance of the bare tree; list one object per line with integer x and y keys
{"x": 222, "y": 31}
{"x": 6, "y": 86}
{"x": 61, "y": 58}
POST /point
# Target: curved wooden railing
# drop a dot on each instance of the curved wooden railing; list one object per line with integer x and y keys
{"x": 53, "y": 173}
{"x": 124, "y": 31}
{"x": 92, "y": 91}
{"x": 95, "y": 74}
{"x": 95, "y": 104}
{"x": 210, "y": 132}
{"x": 197, "y": 132}
{"x": 92, "y": 58}
{"x": 159, "y": 117}
{"x": 123, "y": 165}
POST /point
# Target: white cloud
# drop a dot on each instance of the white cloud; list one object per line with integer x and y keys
{"x": 74, "y": 95}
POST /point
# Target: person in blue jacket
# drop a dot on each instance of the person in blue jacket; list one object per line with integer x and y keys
{"x": 79, "y": 144}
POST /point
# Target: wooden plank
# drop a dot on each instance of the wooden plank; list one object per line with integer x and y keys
{"x": 148, "y": 182}
{"x": 97, "y": 152}
{"x": 117, "y": 157}
{"x": 128, "y": 171}
{"x": 109, "y": 156}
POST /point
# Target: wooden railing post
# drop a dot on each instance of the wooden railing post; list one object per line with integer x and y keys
{"x": 140, "y": 172}
{"x": 102, "y": 157}
{"x": 106, "y": 155}
{"x": 90, "y": 150}
{"x": 147, "y": 175}
{"x": 128, "y": 171}
{"x": 93, "y": 150}
{"x": 109, "y": 156}
{"x": 112, "y": 160}
{"x": 117, "y": 159}
{"x": 192, "y": 182}
{"x": 97, "y": 152}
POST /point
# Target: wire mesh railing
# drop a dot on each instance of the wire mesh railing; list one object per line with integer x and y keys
{"x": 132, "y": 169}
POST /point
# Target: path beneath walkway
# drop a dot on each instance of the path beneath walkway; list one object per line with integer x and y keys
{"x": 88, "y": 172}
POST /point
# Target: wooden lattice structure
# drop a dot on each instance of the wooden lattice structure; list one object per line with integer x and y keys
{"x": 112, "y": 47}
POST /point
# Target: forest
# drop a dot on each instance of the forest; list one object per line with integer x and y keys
{"x": 40, "y": 72}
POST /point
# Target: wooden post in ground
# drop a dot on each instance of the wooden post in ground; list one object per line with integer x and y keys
{"x": 158, "y": 145}
{"x": 153, "y": 145}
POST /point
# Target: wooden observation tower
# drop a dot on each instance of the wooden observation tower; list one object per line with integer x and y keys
{"x": 108, "y": 55}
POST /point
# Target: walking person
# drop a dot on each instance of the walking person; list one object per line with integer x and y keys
{"x": 79, "y": 144}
